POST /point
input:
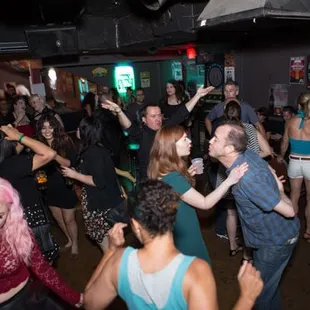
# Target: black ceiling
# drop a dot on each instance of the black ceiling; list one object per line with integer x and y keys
{"x": 63, "y": 28}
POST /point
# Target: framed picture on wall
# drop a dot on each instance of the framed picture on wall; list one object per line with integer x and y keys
{"x": 297, "y": 70}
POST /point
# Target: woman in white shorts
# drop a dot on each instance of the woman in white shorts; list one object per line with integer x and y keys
{"x": 297, "y": 134}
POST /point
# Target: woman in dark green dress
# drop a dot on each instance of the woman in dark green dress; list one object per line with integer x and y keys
{"x": 170, "y": 145}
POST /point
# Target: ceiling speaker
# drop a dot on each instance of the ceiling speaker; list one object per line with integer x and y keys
{"x": 47, "y": 42}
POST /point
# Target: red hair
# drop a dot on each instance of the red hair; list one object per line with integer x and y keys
{"x": 164, "y": 157}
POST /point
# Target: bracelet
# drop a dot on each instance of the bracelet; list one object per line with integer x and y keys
{"x": 21, "y": 138}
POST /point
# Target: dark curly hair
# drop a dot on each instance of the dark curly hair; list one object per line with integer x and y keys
{"x": 60, "y": 139}
{"x": 155, "y": 207}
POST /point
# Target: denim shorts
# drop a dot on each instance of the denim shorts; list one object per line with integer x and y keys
{"x": 299, "y": 168}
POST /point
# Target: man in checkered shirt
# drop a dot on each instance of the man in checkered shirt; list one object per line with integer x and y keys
{"x": 266, "y": 214}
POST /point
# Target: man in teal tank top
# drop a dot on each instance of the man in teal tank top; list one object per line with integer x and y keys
{"x": 158, "y": 276}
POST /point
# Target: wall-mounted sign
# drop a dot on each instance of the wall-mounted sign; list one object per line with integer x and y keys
{"x": 229, "y": 74}
{"x": 278, "y": 97}
{"x": 176, "y": 68}
{"x": 145, "y": 79}
{"x": 100, "y": 72}
{"x": 297, "y": 70}
{"x": 124, "y": 77}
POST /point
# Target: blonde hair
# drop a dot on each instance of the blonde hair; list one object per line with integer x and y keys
{"x": 304, "y": 103}
{"x": 36, "y": 97}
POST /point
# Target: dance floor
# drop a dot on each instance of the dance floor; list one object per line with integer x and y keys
{"x": 295, "y": 288}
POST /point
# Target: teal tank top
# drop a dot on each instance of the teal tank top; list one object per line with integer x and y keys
{"x": 161, "y": 290}
{"x": 300, "y": 146}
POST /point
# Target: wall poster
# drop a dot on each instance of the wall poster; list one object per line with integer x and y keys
{"x": 297, "y": 70}
{"x": 145, "y": 79}
{"x": 278, "y": 97}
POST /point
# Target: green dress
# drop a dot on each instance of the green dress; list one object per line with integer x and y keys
{"x": 187, "y": 234}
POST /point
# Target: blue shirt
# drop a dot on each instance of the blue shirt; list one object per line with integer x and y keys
{"x": 256, "y": 195}
{"x": 248, "y": 114}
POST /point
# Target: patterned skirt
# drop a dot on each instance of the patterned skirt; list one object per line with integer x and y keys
{"x": 95, "y": 221}
{"x": 35, "y": 217}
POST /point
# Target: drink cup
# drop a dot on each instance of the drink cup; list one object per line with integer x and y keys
{"x": 198, "y": 163}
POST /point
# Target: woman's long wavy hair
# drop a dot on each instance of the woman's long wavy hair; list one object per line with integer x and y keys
{"x": 179, "y": 92}
{"x": 164, "y": 157}
{"x": 60, "y": 138}
{"x": 15, "y": 230}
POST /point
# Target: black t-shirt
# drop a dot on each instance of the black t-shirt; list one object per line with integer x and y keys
{"x": 145, "y": 137}
{"x": 18, "y": 171}
{"x": 96, "y": 161}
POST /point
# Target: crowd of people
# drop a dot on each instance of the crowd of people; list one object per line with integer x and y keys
{"x": 172, "y": 269}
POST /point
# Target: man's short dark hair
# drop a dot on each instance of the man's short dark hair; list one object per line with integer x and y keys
{"x": 236, "y": 136}
{"x": 263, "y": 111}
{"x": 289, "y": 109}
{"x": 143, "y": 112}
{"x": 139, "y": 89}
{"x": 155, "y": 207}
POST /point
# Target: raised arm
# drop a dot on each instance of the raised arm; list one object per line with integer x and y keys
{"x": 195, "y": 199}
{"x": 200, "y": 93}
{"x": 116, "y": 110}
{"x": 43, "y": 153}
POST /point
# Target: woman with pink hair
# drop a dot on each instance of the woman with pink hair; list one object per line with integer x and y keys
{"x": 20, "y": 255}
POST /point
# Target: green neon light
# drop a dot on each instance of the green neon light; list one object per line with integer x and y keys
{"x": 133, "y": 146}
{"x": 124, "y": 76}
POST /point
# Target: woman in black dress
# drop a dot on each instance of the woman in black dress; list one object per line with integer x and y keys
{"x": 173, "y": 98}
{"x": 61, "y": 198}
{"x": 20, "y": 171}
{"x": 101, "y": 191}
